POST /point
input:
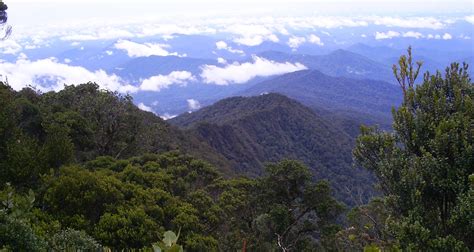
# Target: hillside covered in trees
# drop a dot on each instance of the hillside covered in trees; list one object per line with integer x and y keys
{"x": 84, "y": 169}
{"x": 250, "y": 131}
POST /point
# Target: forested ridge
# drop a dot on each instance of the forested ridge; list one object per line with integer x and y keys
{"x": 84, "y": 169}
{"x": 251, "y": 131}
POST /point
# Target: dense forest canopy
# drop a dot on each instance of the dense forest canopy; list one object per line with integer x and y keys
{"x": 84, "y": 169}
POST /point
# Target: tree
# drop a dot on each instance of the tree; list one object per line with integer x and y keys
{"x": 296, "y": 213}
{"x": 16, "y": 231}
{"x": 6, "y": 29}
{"x": 58, "y": 148}
{"x": 406, "y": 73}
{"x": 424, "y": 164}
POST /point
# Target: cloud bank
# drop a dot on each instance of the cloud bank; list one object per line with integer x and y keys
{"x": 222, "y": 45}
{"x": 156, "y": 83}
{"x": 193, "y": 104}
{"x": 241, "y": 73}
{"x": 144, "y": 107}
{"x": 144, "y": 50}
{"x": 48, "y": 74}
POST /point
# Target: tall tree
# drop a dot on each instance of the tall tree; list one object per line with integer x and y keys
{"x": 6, "y": 29}
{"x": 296, "y": 213}
{"x": 424, "y": 164}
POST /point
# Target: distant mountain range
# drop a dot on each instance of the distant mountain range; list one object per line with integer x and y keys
{"x": 339, "y": 63}
{"x": 367, "y": 101}
{"x": 360, "y": 64}
{"x": 341, "y": 83}
{"x": 252, "y": 131}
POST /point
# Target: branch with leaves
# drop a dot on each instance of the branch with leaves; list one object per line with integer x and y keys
{"x": 406, "y": 72}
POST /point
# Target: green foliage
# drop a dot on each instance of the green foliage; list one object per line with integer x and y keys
{"x": 39, "y": 132}
{"x": 250, "y": 131}
{"x": 424, "y": 165}
{"x": 58, "y": 147}
{"x": 81, "y": 151}
{"x": 127, "y": 229}
{"x": 73, "y": 240}
{"x": 169, "y": 243}
{"x": 294, "y": 210}
{"x": 16, "y": 231}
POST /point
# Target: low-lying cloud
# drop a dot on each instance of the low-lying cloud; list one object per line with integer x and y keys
{"x": 222, "y": 45}
{"x": 410, "y": 22}
{"x": 294, "y": 42}
{"x": 49, "y": 75}
{"x": 144, "y": 107}
{"x": 193, "y": 104}
{"x": 470, "y": 19}
{"x": 238, "y": 73}
{"x": 410, "y": 34}
{"x": 159, "y": 82}
{"x": 134, "y": 49}
{"x": 251, "y": 34}
{"x": 386, "y": 35}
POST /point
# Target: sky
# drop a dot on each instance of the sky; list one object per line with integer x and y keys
{"x": 30, "y": 12}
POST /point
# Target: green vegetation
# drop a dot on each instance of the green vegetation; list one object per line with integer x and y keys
{"x": 84, "y": 170}
{"x": 250, "y": 131}
{"x": 128, "y": 204}
{"x": 425, "y": 167}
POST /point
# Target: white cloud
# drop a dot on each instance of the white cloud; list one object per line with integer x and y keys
{"x": 144, "y": 107}
{"x": 412, "y": 34}
{"x": 221, "y": 61}
{"x": 315, "y": 40}
{"x": 295, "y": 42}
{"x": 386, "y": 35}
{"x": 251, "y": 34}
{"x": 447, "y": 36}
{"x": 241, "y": 73}
{"x": 67, "y": 61}
{"x": 222, "y": 45}
{"x": 22, "y": 56}
{"x": 167, "y": 116}
{"x": 143, "y": 50}
{"x": 469, "y": 19}
{"x": 48, "y": 74}
{"x": 193, "y": 104}
{"x": 409, "y": 22}
{"x": 10, "y": 46}
{"x": 103, "y": 33}
{"x": 168, "y": 30}
{"x": 156, "y": 83}
{"x": 327, "y": 22}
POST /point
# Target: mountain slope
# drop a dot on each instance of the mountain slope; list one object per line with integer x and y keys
{"x": 339, "y": 63}
{"x": 368, "y": 99}
{"x": 268, "y": 128}
{"x": 102, "y": 123}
